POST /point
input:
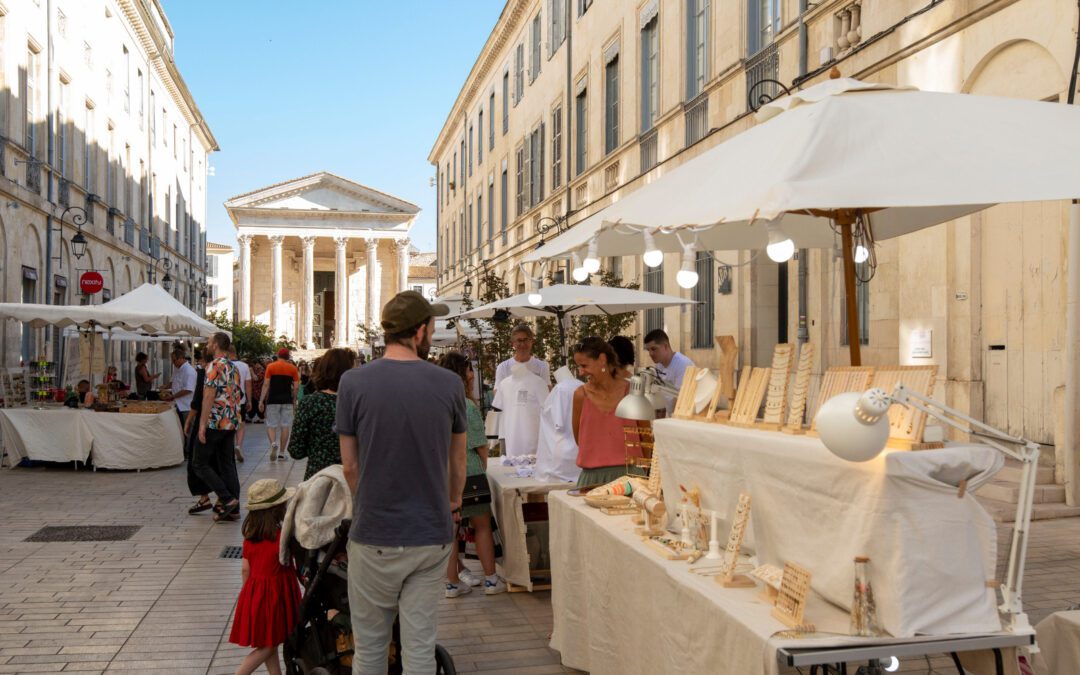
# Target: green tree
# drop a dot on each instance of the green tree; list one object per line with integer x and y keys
{"x": 253, "y": 340}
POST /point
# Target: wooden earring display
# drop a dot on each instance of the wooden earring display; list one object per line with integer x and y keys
{"x": 799, "y": 392}
{"x": 748, "y": 401}
{"x": 838, "y": 381}
{"x": 684, "y": 404}
{"x": 776, "y": 399}
{"x": 727, "y": 577}
{"x": 790, "y": 606}
{"x": 906, "y": 425}
{"x": 771, "y": 576}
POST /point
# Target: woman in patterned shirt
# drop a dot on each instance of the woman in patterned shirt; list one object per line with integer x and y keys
{"x": 313, "y": 433}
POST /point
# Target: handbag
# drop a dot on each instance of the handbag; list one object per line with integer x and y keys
{"x": 477, "y": 490}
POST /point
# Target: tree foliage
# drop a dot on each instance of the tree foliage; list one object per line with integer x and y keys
{"x": 606, "y": 326}
{"x": 253, "y": 340}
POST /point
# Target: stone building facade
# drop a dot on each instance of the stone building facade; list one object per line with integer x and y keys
{"x": 219, "y": 278}
{"x": 650, "y": 84}
{"x": 319, "y": 256}
{"x": 95, "y": 118}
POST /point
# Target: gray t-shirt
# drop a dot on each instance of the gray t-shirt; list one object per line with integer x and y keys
{"x": 402, "y": 414}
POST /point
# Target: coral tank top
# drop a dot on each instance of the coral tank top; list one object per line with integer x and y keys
{"x": 601, "y": 440}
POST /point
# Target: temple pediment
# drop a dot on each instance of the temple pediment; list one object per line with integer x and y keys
{"x": 321, "y": 193}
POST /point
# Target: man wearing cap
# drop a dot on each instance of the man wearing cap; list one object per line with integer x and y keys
{"x": 401, "y": 422}
{"x": 278, "y": 402}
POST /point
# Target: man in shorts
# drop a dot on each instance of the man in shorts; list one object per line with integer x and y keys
{"x": 278, "y": 402}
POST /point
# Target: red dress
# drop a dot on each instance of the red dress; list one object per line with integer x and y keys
{"x": 269, "y": 602}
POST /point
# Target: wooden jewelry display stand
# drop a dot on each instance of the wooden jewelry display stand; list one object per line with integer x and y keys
{"x": 727, "y": 577}
{"x": 729, "y": 355}
{"x": 651, "y": 503}
{"x": 839, "y": 380}
{"x": 906, "y": 425}
{"x": 684, "y": 404}
{"x": 790, "y": 604}
{"x": 752, "y": 387}
{"x": 776, "y": 398}
{"x": 771, "y": 576}
{"x": 799, "y": 392}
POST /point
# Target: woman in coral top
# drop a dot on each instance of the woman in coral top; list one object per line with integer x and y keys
{"x": 599, "y": 433}
{"x": 269, "y": 601}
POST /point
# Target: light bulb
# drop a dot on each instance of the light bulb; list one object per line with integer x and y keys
{"x": 535, "y": 298}
{"x": 653, "y": 257}
{"x": 592, "y": 260}
{"x": 578, "y": 272}
{"x": 780, "y": 248}
{"x": 687, "y": 277}
{"x": 861, "y": 253}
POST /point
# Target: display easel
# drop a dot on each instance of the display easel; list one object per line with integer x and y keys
{"x": 748, "y": 400}
{"x": 800, "y": 391}
{"x": 776, "y": 396}
{"x": 790, "y": 606}
{"x": 684, "y": 404}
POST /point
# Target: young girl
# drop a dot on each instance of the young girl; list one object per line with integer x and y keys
{"x": 270, "y": 598}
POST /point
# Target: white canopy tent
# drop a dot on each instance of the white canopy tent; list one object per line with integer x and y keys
{"x": 170, "y": 316}
{"x": 447, "y": 333}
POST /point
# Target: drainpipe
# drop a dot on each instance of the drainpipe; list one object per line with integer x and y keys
{"x": 803, "y": 330}
{"x": 1072, "y": 330}
{"x": 569, "y": 114}
{"x": 49, "y": 120}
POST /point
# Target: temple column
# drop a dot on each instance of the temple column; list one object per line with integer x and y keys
{"x": 401, "y": 247}
{"x": 308, "y": 326}
{"x": 275, "y": 284}
{"x": 374, "y": 308}
{"x": 245, "y": 277}
{"x": 341, "y": 295}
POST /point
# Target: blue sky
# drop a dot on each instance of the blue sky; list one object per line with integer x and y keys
{"x": 360, "y": 88}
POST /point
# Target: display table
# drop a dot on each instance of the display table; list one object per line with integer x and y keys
{"x": 508, "y": 493}
{"x": 1059, "y": 642}
{"x": 117, "y": 441}
{"x": 620, "y": 608}
{"x": 932, "y": 551}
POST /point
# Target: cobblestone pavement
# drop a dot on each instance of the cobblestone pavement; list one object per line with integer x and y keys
{"x": 162, "y": 601}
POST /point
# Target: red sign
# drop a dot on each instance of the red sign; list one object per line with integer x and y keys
{"x": 91, "y": 282}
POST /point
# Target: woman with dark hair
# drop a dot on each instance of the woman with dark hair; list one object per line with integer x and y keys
{"x": 459, "y": 579}
{"x": 624, "y": 355}
{"x": 313, "y": 434}
{"x": 143, "y": 378}
{"x": 599, "y": 433}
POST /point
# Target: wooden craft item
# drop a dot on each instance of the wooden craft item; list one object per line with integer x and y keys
{"x": 684, "y": 404}
{"x": 776, "y": 398}
{"x": 627, "y": 510}
{"x": 740, "y": 393}
{"x": 790, "y": 606}
{"x": 744, "y": 413}
{"x": 727, "y": 577}
{"x": 714, "y": 413}
{"x": 839, "y": 380}
{"x": 771, "y": 576}
{"x": 668, "y": 547}
{"x": 800, "y": 390}
{"x": 906, "y": 424}
{"x": 729, "y": 355}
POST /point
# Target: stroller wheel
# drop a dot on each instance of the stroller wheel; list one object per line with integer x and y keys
{"x": 444, "y": 663}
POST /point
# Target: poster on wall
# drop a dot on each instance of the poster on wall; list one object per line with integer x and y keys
{"x": 922, "y": 343}
{"x": 91, "y": 354}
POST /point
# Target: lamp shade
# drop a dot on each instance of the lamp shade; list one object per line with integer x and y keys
{"x": 635, "y": 405}
{"x": 853, "y": 426}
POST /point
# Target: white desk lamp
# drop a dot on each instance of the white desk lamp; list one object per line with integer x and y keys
{"x": 855, "y": 427}
{"x": 646, "y": 389}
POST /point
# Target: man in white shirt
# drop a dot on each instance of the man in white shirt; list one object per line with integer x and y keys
{"x": 670, "y": 365}
{"x": 245, "y": 397}
{"x": 521, "y": 340}
{"x": 183, "y": 384}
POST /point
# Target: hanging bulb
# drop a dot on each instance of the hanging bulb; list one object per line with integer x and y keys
{"x": 653, "y": 257}
{"x": 592, "y": 261}
{"x": 861, "y": 254}
{"x": 780, "y": 248}
{"x": 535, "y": 298}
{"x": 579, "y": 273}
{"x": 687, "y": 276}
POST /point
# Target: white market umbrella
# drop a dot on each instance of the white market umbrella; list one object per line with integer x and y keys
{"x": 841, "y": 150}
{"x": 163, "y": 313}
{"x": 448, "y": 331}
{"x": 563, "y": 300}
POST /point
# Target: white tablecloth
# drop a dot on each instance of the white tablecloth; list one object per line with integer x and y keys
{"x": 620, "y": 608}
{"x": 508, "y": 493}
{"x": 116, "y": 440}
{"x": 50, "y": 435}
{"x": 932, "y": 552}
{"x": 1059, "y": 642}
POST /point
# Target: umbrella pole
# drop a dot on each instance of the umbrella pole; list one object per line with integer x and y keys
{"x": 852, "y": 307}
{"x": 562, "y": 336}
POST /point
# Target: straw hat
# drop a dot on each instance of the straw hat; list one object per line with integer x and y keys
{"x": 267, "y": 493}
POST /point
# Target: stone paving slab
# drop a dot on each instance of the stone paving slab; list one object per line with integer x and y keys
{"x": 163, "y": 600}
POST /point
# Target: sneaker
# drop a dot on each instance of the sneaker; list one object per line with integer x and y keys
{"x": 282, "y": 455}
{"x": 494, "y": 587}
{"x": 454, "y": 590}
{"x": 468, "y": 577}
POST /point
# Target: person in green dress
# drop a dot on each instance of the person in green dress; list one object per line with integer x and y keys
{"x": 313, "y": 434}
{"x": 459, "y": 579}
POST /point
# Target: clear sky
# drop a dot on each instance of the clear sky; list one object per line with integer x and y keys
{"x": 360, "y": 88}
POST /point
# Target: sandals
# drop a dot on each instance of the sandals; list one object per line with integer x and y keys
{"x": 226, "y": 511}
{"x": 200, "y": 506}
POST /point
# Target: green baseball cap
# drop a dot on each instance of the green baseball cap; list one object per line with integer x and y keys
{"x": 408, "y": 309}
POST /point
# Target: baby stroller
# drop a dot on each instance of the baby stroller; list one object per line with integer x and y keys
{"x": 321, "y": 641}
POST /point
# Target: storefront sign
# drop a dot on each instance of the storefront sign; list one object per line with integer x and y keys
{"x": 922, "y": 344}
{"x": 91, "y": 282}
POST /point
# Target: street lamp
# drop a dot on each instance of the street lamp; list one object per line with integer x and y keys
{"x": 78, "y": 241}
{"x": 470, "y": 270}
{"x": 166, "y": 265}
{"x": 547, "y": 224}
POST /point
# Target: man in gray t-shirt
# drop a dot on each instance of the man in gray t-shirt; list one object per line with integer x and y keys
{"x": 401, "y": 423}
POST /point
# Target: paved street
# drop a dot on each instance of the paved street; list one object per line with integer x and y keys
{"x": 163, "y": 600}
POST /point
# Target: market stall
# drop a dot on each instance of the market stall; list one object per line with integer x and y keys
{"x": 509, "y": 494}
{"x": 53, "y": 434}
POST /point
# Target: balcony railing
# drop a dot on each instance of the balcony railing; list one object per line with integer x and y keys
{"x": 33, "y": 175}
{"x": 648, "y": 146}
{"x": 697, "y": 119}
{"x": 765, "y": 65}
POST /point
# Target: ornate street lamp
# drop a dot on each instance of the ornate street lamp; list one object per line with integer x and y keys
{"x": 166, "y": 265}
